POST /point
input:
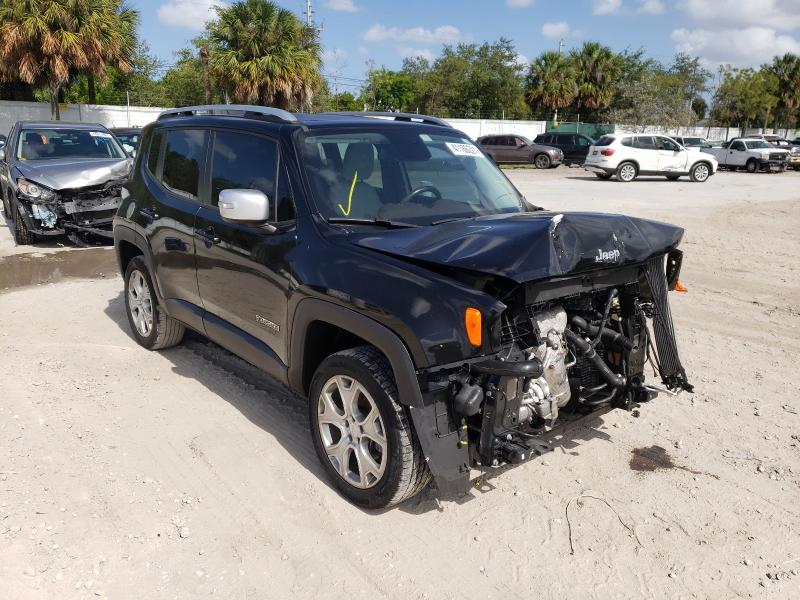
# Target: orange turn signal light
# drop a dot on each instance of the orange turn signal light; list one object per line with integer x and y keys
{"x": 679, "y": 287}
{"x": 473, "y": 323}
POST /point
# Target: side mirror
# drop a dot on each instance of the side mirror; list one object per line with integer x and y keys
{"x": 244, "y": 206}
{"x": 3, "y": 140}
{"x": 2, "y": 154}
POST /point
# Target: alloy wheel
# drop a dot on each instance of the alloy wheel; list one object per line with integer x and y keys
{"x": 140, "y": 303}
{"x": 701, "y": 172}
{"x": 352, "y": 431}
{"x": 628, "y": 172}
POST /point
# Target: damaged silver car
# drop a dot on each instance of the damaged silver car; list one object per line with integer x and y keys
{"x": 59, "y": 178}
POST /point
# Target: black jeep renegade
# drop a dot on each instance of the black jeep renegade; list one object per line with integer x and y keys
{"x": 385, "y": 268}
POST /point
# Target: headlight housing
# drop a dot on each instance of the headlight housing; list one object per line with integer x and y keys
{"x": 35, "y": 191}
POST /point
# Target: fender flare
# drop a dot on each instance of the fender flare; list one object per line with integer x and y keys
{"x": 312, "y": 309}
{"x": 123, "y": 233}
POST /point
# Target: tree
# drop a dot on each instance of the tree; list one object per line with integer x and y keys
{"x": 599, "y": 70}
{"x": 786, "y": 70}
{"x": 265, "y": 54}
{"x": 745, "y": 97}
{"x": 700, "y": 108}
{"x": 391, "y": 90}
{"x": 690, "y": 81}
{"x": 551, "y": 82}
{"x": 46, "y": 42}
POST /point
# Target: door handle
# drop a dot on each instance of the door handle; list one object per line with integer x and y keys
{"x": 207, "y": 235}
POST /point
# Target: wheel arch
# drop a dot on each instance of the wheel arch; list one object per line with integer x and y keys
{"x": 321, "y": 328}
{"x": 129, "y": 244}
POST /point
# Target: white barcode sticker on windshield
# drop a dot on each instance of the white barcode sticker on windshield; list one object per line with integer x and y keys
{"x": 463, "y": 149}
{"x": 100, "y": 134}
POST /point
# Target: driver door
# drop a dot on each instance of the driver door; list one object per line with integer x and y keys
{"x": 671, "y": 157}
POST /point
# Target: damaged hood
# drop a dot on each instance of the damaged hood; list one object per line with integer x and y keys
{"x": 61, "y": 174}
{"x": 529, "y": 246}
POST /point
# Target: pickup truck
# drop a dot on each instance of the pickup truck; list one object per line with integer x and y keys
{"x": 751, "y": 154}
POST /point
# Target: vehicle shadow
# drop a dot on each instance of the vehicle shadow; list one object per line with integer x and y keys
{"x": 283, "y": 414}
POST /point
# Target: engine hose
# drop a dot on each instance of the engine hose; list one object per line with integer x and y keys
{"x": 601, "y": 401}
{"x": 611, "y": 296}
{"x": 608, "y": 335}
{"x": 587, "y": 350}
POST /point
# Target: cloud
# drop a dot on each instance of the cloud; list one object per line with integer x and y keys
{"x": 519, "y": 3}
{"x": 191, "y": 14}
{"x": 782, "y": 15}
{"x": 743, "y": 47}
{"x": 446, "y": 34}
{"x": 557, "y": 30}
{"x": 341, "y": 5}
{"x": 407, "y": 52}
{"x": 606, "y": 7}
{"x": 651, "y": 7}
{"x": 522, "y": 60}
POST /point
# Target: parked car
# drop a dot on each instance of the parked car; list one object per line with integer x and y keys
{"x": 784, "y": 144}
{"x": 691, "y": 142}
{"x": 389, "y": 271}
{"x": 628, "y": 156}
{"x": 574, "y": 145}
{"x": 128, "y": 136}
{"x": 518, "y": 149}
{"x": 61, "y": 178}
{"x": 750, "y": 154}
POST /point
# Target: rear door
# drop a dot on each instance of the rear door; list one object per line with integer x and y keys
{"x": 566, "y": 142}
{"x": 646, "y": 153}
{"x": 166, "y": 212}
{"x": 671, "y": 157}
{"x": 243, "y": 270}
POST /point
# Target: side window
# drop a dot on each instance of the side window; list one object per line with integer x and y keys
{"x": 543, "y": 139}
{"x": 628, "y": 142}
{"x": 489, "y": 141}
{"x": 243, "y": 161}
{"x": 738, "y": 146}
{"x": 153, "y": 151}
{"x": 666, "y": 144}
{"x": 644, "y": 143}
{"x": 182, "y": 159}
{"x": 519, "y": 142}
{"x": 284, "y": 203}
{"x": 582, "y": 142}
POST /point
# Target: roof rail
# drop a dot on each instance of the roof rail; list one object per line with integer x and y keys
{"x": 398, "y": 116}
{"x": 243, "y": 110}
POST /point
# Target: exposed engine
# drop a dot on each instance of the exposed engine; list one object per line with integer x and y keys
{"x": 574, "y": 346}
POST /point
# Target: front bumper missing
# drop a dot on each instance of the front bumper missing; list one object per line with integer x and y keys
{"x": 70, "y": 217}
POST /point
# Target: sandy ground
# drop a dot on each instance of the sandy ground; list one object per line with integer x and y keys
{"x": 185, "y": 474}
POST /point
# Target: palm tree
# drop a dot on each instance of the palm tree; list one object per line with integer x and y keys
{"x": 265, "y": 54}
{"x": 551, "y": 81}
{"x": 44, "y": 42}
{"x": 786, "y": 69}
{"x": 598, "y": 70}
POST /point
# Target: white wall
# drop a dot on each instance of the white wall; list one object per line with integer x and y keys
{"x": 475, "y": 128}
{"x": 710, "y": 133}
{"x": 110, "y": 116}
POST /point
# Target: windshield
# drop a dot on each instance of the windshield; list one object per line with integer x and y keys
{"x": 44, "y": 144}
{"x": 693, "y": 141}
{"x": 757, "y": 144}
{"x": 405, "y": 175}
{"x": 132, "y": 139}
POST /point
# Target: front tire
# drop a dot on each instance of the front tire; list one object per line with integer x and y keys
{"x": 626, "y": 172}
{"x": 22, "y": 235}
{"x": 150, "y": 325}
{"x": 361, "y": 433}
{"x": 700, "y": 173}
{"x": 752, "y": 165}
{"x": 542, "y": 161}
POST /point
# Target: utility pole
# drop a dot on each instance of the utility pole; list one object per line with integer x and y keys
{"x": 560, "y": 49}
{"x": 309, "y": 14}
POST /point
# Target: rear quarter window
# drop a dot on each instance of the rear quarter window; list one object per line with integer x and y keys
{"x": 153, "y": 151}
{"x": 606, "y": 140}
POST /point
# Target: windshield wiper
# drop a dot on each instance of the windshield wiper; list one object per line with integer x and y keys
{"x": 376, "y": 222}
{"x": 454, "y": 219}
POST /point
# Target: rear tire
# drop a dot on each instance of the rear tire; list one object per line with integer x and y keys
{"x": 22, "y": 235}
{"x": 381, "y": 462}
{"x": 673, "y": 177}
{"x": 150, "y": 325}
{"x": 542, "y": 161}
{"x": 626, "y": 172}
{"x": 603, "y": 176}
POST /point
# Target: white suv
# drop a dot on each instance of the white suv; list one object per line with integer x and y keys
{"x": 630, "y": 155}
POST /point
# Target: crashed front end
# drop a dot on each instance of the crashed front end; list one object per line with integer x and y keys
{"x": 82, "y": 213}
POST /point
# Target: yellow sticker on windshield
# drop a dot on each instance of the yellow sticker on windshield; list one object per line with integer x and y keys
{"x": 346, "y": 213}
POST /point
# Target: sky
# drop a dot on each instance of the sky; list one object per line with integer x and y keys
{"x": 736, "y": 32}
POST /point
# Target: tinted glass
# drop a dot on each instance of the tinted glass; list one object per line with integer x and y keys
{"x": 666, "y": 144}
{"x": 544, "y": 139}
{"x": 182, "y": 159}
{"x": 410, "y": 174}
{"x": 490, "y": 141}
{"x": 132, "y": 139}
{"x": 606, "y": 140}
{"x": 627, "y": 142}
{"x": 737, "y": 146}
{"x": 284, "y": 203}
{"x": 48, "y": 144}
{"x": 582, "y": 141}
{"x": 153, "y": 151}
{"x": 644, "y": 142}
{"x": 243, "y": 161}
